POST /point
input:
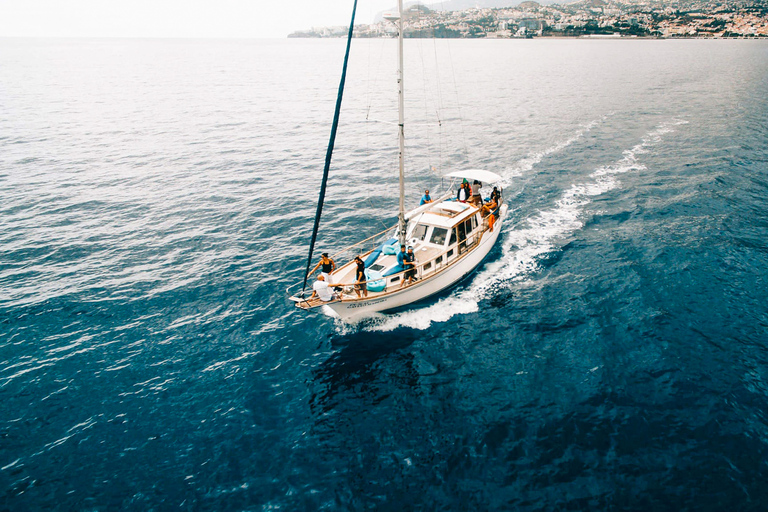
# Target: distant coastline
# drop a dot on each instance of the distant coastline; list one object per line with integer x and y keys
{"x": 585, "y": 19}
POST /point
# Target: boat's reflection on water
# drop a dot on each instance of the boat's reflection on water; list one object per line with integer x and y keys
{"x": 366, "y": 366}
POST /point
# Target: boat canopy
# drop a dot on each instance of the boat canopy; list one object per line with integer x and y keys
{"x": 476, "y": 174}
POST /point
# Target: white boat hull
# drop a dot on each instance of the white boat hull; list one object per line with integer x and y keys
{"x": 423, "y": 289}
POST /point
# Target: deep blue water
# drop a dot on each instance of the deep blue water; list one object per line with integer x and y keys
{"x": 156, "y": 199}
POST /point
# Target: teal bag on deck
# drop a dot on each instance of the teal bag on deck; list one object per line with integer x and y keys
{"x": 374, "y": 281}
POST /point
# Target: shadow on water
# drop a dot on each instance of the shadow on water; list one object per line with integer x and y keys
{"x": 358, "y": 363}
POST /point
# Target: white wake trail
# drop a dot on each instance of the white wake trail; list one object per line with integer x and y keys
{"x": 529, "y": 162}
{"x": 522, "y": 248}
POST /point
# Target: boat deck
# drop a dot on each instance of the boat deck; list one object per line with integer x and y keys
{"x": 431, "y": 260}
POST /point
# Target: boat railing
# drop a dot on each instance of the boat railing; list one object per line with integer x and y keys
{"x": 439, "y": 261}
{"x": 372, "y": 241}
{"x": 356, "y": 249}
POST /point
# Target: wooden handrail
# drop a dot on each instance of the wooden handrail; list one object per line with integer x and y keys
{"x": 336, "y": 254}
{"x": 364, "y": 241}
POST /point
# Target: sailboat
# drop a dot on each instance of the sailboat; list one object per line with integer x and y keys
{"x": 448, "y": 237}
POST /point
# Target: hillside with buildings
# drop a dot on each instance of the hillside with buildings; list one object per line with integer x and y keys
{"x": 585, "y": 18}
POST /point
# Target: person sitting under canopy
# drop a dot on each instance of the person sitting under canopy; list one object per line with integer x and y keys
{"x": 492, "y": 203}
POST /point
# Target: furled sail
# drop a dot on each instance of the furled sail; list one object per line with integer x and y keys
{"x": 329, "y": 153}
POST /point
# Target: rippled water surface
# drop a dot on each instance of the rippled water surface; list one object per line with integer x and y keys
{"x": 156, "y": 199}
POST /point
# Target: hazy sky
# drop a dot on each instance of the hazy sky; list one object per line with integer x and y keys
{"x": 177, "y": 18}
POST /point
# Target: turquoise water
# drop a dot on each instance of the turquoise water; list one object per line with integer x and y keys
{"x": 157, "y": 199}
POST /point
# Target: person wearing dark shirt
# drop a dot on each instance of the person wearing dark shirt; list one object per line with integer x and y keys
{"x": 401, "y": 256}
{"x": 464, "y": 192}
{"x": 401, "y": 262}
{"x": 407, "y": 260}
{"x": 360, "y": 284}
{"x": 328, "y": 266}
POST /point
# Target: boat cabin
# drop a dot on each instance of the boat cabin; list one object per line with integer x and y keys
{"x": 439, "y": 235}
{"x": 443, "y": 233}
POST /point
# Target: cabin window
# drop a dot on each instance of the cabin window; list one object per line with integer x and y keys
{"x": 438, "y": 236}
{"x": 449, "y": 254}
{"x": 420, "y": 231}
{"x": 438, "y": 260}
{"x": 468, "y": 229}
{"x": 394, "y": 279}
{"x": 376, "y": 267}
{"x": 453, "y": 237}
{"x": 428, "y": 266}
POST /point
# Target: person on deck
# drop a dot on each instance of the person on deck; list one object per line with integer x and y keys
{"x": 488, "y": 207}
{"x": 477, "y": 198}
{"x": 492, "y": 203}
{"x": 408, "y": 262}
{"x": 360, "y": 283}
{"x": 321, "y": 290}
{"x": 464, "y": 192}
{"x": 425, "y": 198}
{"x": 495, "y": 195}
{"x": 328, "y": 266}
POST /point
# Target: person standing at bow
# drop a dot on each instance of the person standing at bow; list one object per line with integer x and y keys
{"x": 328, "y": 266}
{"x": 360, "y": 284}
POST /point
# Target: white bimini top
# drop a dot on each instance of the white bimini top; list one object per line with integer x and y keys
{"x": 476, "y": 174}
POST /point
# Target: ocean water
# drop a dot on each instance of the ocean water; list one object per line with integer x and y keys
{"x": 156, "y": 200}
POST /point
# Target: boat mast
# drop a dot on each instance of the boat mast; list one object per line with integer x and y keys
{"x": 401, "y": 122}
